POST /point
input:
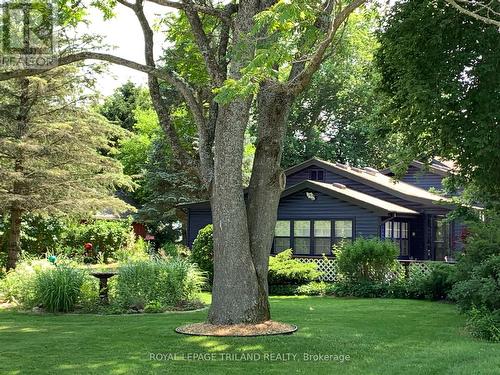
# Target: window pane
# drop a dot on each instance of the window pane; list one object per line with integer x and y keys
{"x": 313, "y": 175}
{"x": 343, "y": 229}
{"x": 282, "y": 228}
{"x": 322, "y": 228}
{"x": 302, "y": 246}
{"x": 322, "y": 246}
{"x": 281, "y": 244}
{"x": 302, "y": 228}
{"x": 404, "y": 230}
{"x": 388, "y": 229}
{"x": 320, "y": 176}
{"x": 397, "y": 226}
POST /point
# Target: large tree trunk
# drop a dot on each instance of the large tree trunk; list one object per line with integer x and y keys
{"x": 14, "y": 242}
{"x": 16, "y": 210}
{"x": 236, "y": 296}
{"x": 235, "y": 293}
{"x": 243, "y": 237}
{"x": 268, "y": 180}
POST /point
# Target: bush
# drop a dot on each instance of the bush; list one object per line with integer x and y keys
{"x": 18, "y": 285}
{"x": 136, "y": 249}
{"x": 437, "y": 284}
{"x": 283, "y": 270}
{"x": 315, "y": 288}
{"x": 366, "y": 260}
{"x": 202, "y": 251}
{"x": 58, "y": 289}
{"x": 481, "y": 289}
{"x": 482, "y": 324}
{"x": 283, "y": 290}
{"x": 107, "y": 237}
{"x": 36, "y": 282}
{"x": 39, "y": 234}
{"x": 477, "y": 290}
{"x": 168, "y": 283}
{"x": 364, "y": 289}
{"x": 175, "y": 250}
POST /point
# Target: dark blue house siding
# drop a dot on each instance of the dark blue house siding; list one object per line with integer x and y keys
{"x": 198, "y": 218}
{"x": 298, "y": 206}
{"x": 330, "y": 177}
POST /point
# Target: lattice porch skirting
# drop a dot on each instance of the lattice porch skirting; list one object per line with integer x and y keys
{"x": 406, "y": 269}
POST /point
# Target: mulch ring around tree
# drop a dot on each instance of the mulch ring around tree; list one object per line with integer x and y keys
{"x": 267, "y": 328}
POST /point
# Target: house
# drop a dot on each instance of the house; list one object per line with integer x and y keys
{"x": 325, "y": 203}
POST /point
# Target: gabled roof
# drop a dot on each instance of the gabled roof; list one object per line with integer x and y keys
{"x": 373, "y": 178}
{"x": 342, "y": 192}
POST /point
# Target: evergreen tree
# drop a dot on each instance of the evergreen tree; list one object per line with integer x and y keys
{"x": 55, "y": 153}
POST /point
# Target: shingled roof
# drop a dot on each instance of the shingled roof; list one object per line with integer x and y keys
{"x": 375, "y": 179}
{"x": 342, "y": 192}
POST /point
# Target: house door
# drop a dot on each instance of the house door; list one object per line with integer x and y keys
{"x": 441, "y": 238}
{"x": 398, "y": 231}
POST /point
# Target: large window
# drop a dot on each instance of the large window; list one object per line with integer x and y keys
{"x": 322, "y": 237}
{"x": 302, "y": 236}
{"x": 282, "y": 236}
{"x": 311, "y": 237}
{"x": 397, "y": 231}
{"x": 343, "y": 230}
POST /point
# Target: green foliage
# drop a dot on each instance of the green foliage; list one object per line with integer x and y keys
{"x": 175, "y": 250}
{"x": 333, "y": 119}
{"x": 107, "y": 237}
{"x": 283, "y": 270}
{"x": 135, "y": 249}
{"x": 435, "y": 285}
{"x": 482, "y": 288}
{"x": 202, "y": 251}
{"x": 165, "y": 283}
{"x": 36, "y": 282}
{"x": 366, "y": 260}
{"x": 58, "y": 289}
{"x": 438, "y": 69}
{"x": 284, "y": 30}
{"x": 483, "y": 324}
{"x": 19, "y": 284}
{"x": 314, "y": 288}
{"x": 121, "y": 106}
{"x": 360, "y": 288}
{"x": 477, "y": 291}
{"x": 66, "y": 165}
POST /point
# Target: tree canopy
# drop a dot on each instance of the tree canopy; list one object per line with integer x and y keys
{"x": 440, "y": 72}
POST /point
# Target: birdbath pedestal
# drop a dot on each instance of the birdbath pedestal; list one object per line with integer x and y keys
{"x": 103, "y": 285}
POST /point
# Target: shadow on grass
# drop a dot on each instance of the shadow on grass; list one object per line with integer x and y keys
{"x": 380, "y": 336}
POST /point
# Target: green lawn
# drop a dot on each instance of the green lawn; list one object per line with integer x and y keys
{"x": 381, "y": 336}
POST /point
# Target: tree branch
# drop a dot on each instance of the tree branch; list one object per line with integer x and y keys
{"x": 159, "y": 103}
{"x": 302, "y": 79}
{"x": 203, "y": 43}
{"x": 219, "y": 13}
{"x": 482, "y": 6}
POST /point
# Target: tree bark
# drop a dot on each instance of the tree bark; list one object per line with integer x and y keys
{"x": 268, "y": 179}
{"x": 235, "y": 294}
{"x": 14, "y": 243}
